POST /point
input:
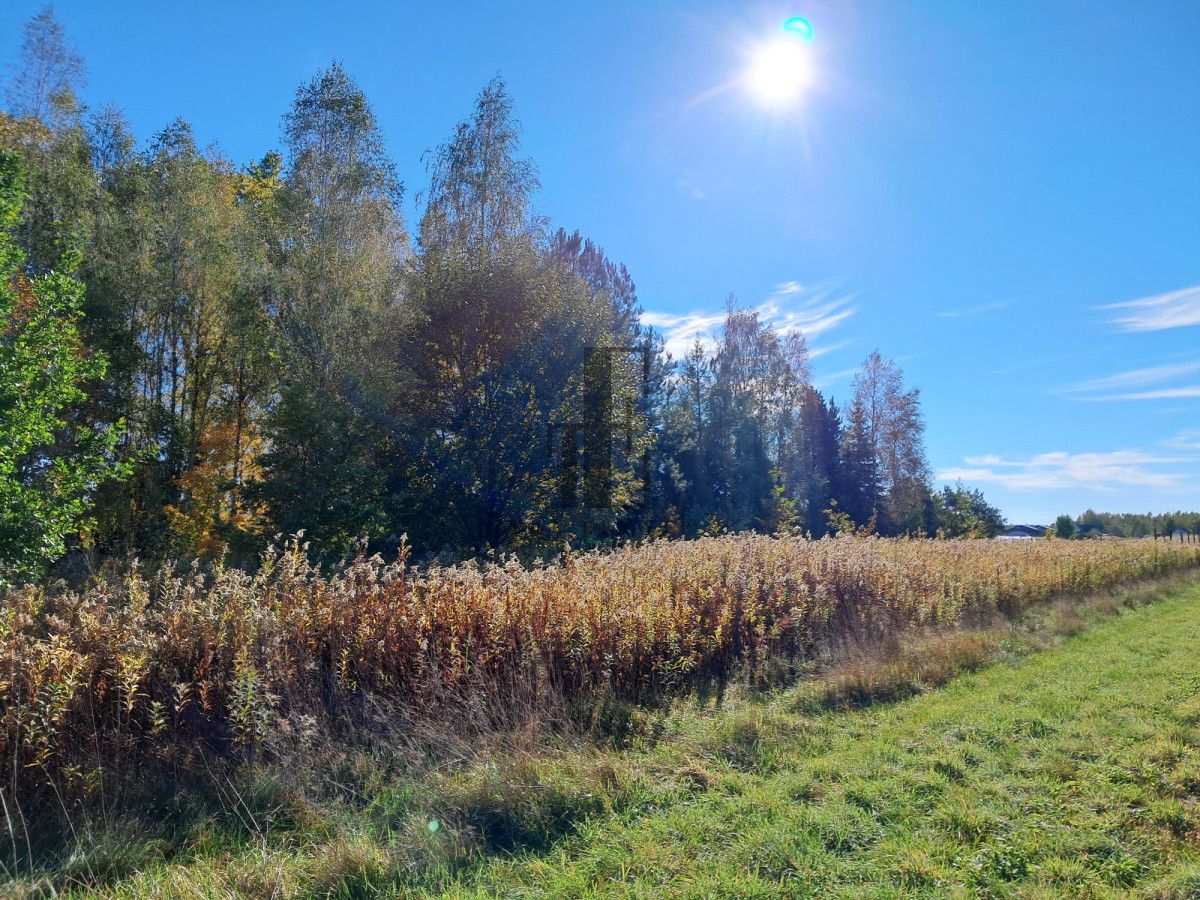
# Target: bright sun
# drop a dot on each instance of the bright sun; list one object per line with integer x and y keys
{"x": 780, "y": 71}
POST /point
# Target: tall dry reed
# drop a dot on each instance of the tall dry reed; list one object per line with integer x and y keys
{"x": 226, "y": 659}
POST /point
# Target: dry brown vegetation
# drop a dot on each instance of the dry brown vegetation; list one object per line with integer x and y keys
{"x": 227, "y": 660}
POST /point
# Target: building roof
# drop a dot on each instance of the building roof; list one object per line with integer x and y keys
{"x": 1023, "y": 531}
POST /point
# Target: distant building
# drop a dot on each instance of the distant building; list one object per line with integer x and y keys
{"x": 1022, "y": 533}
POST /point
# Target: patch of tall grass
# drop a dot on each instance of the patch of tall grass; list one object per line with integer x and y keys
{"x": 143, "y": 664}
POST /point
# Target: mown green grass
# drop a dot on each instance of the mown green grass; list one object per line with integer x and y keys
{"x": 1073, "y": 771}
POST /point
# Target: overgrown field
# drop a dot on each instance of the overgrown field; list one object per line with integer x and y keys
{"x": 1063, "y": 764}
{"x": 225, "y": 661}
{"x": 1073, "y": 772}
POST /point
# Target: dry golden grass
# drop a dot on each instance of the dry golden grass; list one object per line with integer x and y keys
{"x": 229, "y": 661}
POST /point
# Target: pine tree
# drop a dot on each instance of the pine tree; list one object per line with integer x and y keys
{"x": 860, "y": 487}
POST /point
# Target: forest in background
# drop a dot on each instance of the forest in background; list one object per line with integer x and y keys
{"x": 224, "y": 353}
{"x": 1137, "y": 525}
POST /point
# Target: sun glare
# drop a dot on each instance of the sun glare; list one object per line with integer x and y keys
{"x": 780, "y": 71}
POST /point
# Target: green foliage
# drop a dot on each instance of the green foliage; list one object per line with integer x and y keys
{"x": 331, "y": 427}
{"x": 962, "y": 512}
{"x": 323, "y": 472}
{"x": 1137, "y": 524}
{"x": 862, "y": 492}
{"x": 285, "y": 359}
{"x": 895, "y": 429}
{"x": 840, "y": 522}
{"x": 501, "y": 354}
{"x": 1064, "y": 527}
{"x": 49, "y": 464}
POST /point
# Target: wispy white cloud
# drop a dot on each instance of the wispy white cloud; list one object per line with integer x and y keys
{"x": 812, "y": 312}
{"x": 1134, "y": 378}
{"x": 1054, "y": 471}
{"x": 825, "y": 349}
{"x": 1188, "y": 439}
{"x": 838, "y": 377}
{"x": 680, "y": 332}
{"x": 1174, "y": 393}
{"x": 1175, "y": 309}
{"x": 791, "y": 307}
{"x": 970, "y": 311}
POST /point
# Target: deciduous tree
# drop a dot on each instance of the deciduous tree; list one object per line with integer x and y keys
{"x": 49, "y": 463}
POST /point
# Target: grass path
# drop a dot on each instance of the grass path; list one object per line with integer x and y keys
{"x": 1070, "y": 772}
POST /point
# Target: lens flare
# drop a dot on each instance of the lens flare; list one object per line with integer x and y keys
{"x": 800, "y": 26}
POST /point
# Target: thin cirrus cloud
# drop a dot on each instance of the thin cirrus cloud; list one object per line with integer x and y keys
{"x": 1054, "y": 471}
{"x": 832, "y": 378}
{"x": 1120, "y": 386}
{"x": 680, "y": 332}
{"x": 826, "y": 349}
{"x": 1175, "y": 393}
{"x": 1175, "y": 309}
{"x": 971, "y": 311}
{"x": 1188, "y": 439}
{"x": 813, "y": 311}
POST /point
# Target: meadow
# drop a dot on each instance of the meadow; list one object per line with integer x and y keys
{"x": 739, "y": 715}
{"x": 1069, "y": 772}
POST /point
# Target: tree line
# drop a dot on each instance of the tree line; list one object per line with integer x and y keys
{"x": 196, "y": 356}
{"x": 1136, "y": 524}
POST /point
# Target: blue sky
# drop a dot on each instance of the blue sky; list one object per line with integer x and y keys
{"x": 1005, "y": 197}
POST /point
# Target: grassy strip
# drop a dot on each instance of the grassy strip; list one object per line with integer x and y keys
{"x": 1074, "y": 772}
{"x": 1070, "y": 772}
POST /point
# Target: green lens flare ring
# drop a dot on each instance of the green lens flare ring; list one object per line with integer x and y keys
{"x": 799, "y": 25}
